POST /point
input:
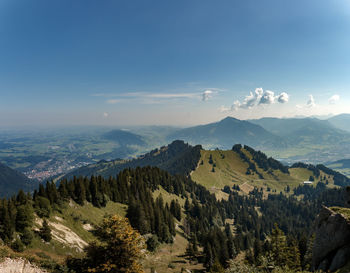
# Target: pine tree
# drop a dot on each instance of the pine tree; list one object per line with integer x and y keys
{"x": 6, "y": 227}
{"x": 27, "y": 236}
{"x": 119, "y": 251}
{"x": 42, "y": 191}
{"x": 209, "y": 256}
{"x": 42, "y": 206}
{"x": 279, "y": 248}
{"x": 45, "y": 232}
{"x": 257, "y": 249}
{"x": 217, "y": 268}
{"x": 293, "y": 256}
{"x": 21, "y": 198}
{"x": 190, "y": 251}
{"x": 24, "y": 217}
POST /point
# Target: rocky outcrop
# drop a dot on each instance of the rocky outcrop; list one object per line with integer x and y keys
{"x": 19, "y": 265}
{"x": 331, "y": 249}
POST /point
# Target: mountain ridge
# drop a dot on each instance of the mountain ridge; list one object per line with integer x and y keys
{"x": 11, "y": 181}
{"x": 177, "y": 157}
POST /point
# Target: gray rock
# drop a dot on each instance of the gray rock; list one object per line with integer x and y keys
{"x": 332, "y": 234}
{"x": 340, "y": 259}
{"x": 347, "y": 196}
{"x": 323, "y": 265}
{"x": 19, "y": 265}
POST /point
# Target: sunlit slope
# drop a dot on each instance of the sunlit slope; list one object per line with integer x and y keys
{"x": 228, "y": 168}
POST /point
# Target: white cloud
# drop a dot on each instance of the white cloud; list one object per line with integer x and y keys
{"x": 105, "y": 115}
{"x": 224, "y": 109}
{"x": 250, "y": 100}
{"x": 311, "y": 102}
{"x": 113, "y": 101}
{"x": 113, "y": 98}
{"x": 168, "y": 95}
{"x": 267, "y": 98}
{"x": 206, "y": 95}
{"x": 283, "y": 97}
{"x": 260, "y": 97}
{"x": 334, "y": 99}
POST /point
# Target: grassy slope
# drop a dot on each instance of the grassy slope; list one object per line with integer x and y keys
{"x": 170, "y": 254}
{"x": 341, "y": 210}
{"x": 231, "y": 169}
{"x": 74, "y": 217}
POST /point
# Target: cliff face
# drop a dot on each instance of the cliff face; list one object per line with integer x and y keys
{"x": 19, "y": 266}
{"x": 331, "y": 249}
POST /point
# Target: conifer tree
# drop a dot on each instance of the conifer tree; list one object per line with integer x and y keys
{"x": 24, "y": 217}
{"x": 293, "y": 259}
{"x": 217, "y": 268}
{"x": 45, "y": 232}
{"x": 27, "y": 236}
{"x": 119, "y": 251}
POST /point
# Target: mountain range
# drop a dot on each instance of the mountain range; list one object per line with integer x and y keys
{"x": 289, "y": 139}
{"x": 304, "y": 131}
{"x": 225, "y": 133}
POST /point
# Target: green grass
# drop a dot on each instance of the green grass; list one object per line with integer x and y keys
{"x": 343, "y": 211}
{"x": 168, "y": 197}
{"x": 72, "y": 216}
{"x": 170, "y": 254}
{"x": 230, "y": 169}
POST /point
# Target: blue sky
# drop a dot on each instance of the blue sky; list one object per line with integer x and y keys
{"x": 171, "y": 62}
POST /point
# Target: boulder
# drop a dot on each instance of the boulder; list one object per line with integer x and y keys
{"x": 331, "y": 247}
{"x": 19, "y": 265}
{"x": 340, "y": 259}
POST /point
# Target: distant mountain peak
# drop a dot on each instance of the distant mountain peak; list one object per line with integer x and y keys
{"x": 226, "y": 132}
{"x": 229, "y": 118}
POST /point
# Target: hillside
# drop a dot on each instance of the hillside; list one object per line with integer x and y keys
{"x": 341, "y": 121}
{"x": 123, "y": 137}
{"x": 301, "y": 131}
{"x": 11, "y": 181}
{"x": 342, "y": 166}
{"x": 241, "y": 165}
{"x": 308, "y": 139}
{"x": 287, "y": 126}
{"x": 177, "y": 157}
{"x": 225, "y": 133}
{"x": 248, "y": 168}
